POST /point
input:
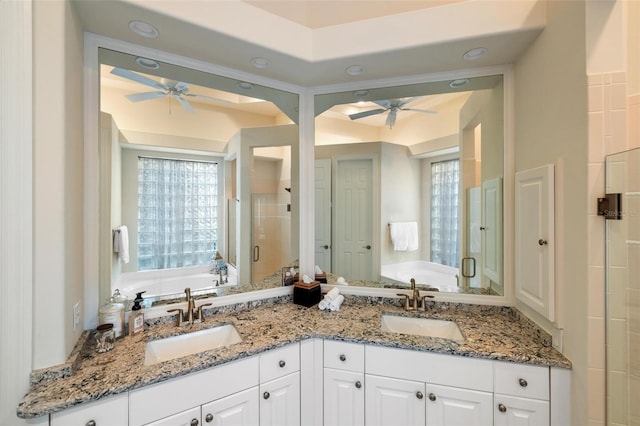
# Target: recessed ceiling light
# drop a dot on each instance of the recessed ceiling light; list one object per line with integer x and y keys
{"x": 354, "y": 70}
{"x": 260, "y": 62}
{"x": 143, "y": 29}
{"x": 147, "y": 63}
{"x": 458, "y": 83}
{"x": 244, "y": 85}
{"x": 360, "y": 93}
{"x": 473, "y": 54}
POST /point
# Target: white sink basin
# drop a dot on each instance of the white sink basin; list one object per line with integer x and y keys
{"x": 190, "y": 343}
{"x": 421, "y": 327}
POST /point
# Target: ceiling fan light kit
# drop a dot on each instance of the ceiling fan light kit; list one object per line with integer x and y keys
{"x": 392, "y": 107}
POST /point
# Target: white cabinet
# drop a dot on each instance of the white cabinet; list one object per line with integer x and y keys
{"x": 394, "y": 402}
{"x": 449, "y": 406}
{"x": 189, "y": 417}
{"x": 280, "y": 401}
{"x": 240, "y": 409}
{"x": 112, "y": 411}
{"x": 521, "y": 394}
{"x": 511, "y": 410}
{"x": 343, "y": 398}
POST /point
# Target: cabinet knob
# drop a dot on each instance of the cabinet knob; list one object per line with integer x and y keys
{"x": 343, "y": 357}
{"x": 432, "y": 396}
{"x": 502, "y": 408}
{"x": 90, "y": 423}
{"x": 358, "y": 384}
{"x": 209, "y": 418}
{"x": 282, "y": 363}
{"x": 419, "y": 395}
{"x": 194, "y": 422}
{"x": 266, "y": 395}
{"x": 523, "y": 383}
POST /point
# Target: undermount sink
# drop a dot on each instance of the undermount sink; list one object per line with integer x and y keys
{"x": 190, "y": 343}
{"x": 421, "y": 327}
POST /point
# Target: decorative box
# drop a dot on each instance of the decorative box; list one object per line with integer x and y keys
{"x": 306, "y": 294}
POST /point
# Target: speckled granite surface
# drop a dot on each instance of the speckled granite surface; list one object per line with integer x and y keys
{"x": 490, "y": 332}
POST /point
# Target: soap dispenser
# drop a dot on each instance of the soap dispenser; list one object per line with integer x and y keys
{"x": 136, "y": 318}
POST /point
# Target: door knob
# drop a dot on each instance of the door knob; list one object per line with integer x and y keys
{"x": 368, "y": 247}
{"x": 542, "y": 242}
{"x": 326, "y": 246}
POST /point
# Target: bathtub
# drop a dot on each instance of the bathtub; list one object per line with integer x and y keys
{"x": 163, "y": 284}
{"x": 433, "y": 274}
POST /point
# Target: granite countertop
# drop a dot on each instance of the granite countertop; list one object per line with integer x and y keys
{"x": 498, "y": 333}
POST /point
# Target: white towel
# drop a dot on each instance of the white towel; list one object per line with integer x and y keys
{"x": 324, "y": 304}
{"x": 121, "y": 243}
{"x": 404, "y": 236}
{"x": 332, "y": 294}
{"x": 335, "y": 304}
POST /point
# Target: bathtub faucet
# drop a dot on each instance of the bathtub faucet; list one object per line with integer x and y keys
{"x": 193, "y": 315}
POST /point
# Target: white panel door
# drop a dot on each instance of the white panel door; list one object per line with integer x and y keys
{"x": 353, "y": 224}
{"x": 280, "y": 401}
{"x": 323, "y": 214}
{"x": 492, "y": 230}
{"x": 449, "y": 406}
{"x": 394, "y": 401}
{"x": 343, "y": 398}
{"x": 514, "y": 411}
{"x": 240, "y": 409}
{"x": 534, "y": 222}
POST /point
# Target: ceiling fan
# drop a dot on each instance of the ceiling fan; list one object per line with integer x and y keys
{"x": 392, "y": 106}
{"x": 165, "y": 87}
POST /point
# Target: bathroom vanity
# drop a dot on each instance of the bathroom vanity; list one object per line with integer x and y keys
{"x": 298, "y": 365}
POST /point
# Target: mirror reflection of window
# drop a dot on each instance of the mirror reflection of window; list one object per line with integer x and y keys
{"x": 444, "y": 219}
{"x": 177, "y": 213}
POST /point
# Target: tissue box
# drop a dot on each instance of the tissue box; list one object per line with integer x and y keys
{"x": 322, "y": 278}
{"x": 306, "y": 294}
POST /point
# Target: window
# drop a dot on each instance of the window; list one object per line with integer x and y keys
{"x": 445, "y": 183}
{"x": 177, "y": 213}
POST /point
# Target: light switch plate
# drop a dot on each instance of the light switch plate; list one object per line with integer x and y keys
{"x": 76, "y": 316}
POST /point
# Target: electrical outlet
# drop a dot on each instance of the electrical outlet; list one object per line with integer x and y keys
{"x": 76, "y": 316}
{"x": 556, "y": 338}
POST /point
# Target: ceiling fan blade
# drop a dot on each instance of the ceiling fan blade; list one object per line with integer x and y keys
{"x": 366, "y": 113}
{"x": 185, "y": 104}
{"x": 137, "y": 97}
{"x": 384, "y": 104}
{"x": 138, "y": 78}
{"x": 428, "y": 111}
{"x": 209, "y": 98}
{"x": 391, "y": 118}
{"x": 181, "y": 85}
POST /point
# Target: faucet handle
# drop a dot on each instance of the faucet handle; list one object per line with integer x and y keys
{"x": 200, "y": 313}
{"x": 180, "y": 315}
{"x": 424, "y": 300}
{"x": 407, "y": 306}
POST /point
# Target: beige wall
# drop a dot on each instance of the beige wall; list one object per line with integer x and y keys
{"x": 58, "y": 177}
{"x": 551, "y": 127}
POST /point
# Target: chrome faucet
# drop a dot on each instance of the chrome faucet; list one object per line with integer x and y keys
{"x": 193, "y": 315}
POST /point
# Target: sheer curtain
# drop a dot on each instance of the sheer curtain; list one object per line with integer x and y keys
{"x": 445, "y": 182}
{"x": 177, "y": 213}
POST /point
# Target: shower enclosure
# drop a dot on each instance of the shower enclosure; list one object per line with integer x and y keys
{"x": 623, "y": 287}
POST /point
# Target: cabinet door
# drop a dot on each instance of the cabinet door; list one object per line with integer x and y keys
{"x": 240, "y": 409}
{"x": 108, "y": 412}
{"x": 343, "y": 398}
{"x": 394, "y": 401}
{"x": 455, "y": 406}
{"x": 189, "y": 417}
{"x": 280, "y": 401}
{"x": 511, "y": 410}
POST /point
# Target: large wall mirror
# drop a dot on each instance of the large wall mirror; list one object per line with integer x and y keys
{"x": 198, "y": 181}
{"x": 409, "y": 185}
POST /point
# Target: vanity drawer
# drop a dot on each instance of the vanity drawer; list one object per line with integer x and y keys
{"x": 279, "y": 362}
{"x": 344, "y": 356}
{"x": 528, "y": 381}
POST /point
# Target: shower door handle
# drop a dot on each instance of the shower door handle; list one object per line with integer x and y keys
{"x": 464, "y": 269}
{"x": 256, "y": 253}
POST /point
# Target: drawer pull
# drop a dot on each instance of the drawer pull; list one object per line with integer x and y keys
{"x": 343, "y": 357}
{"x": 90, "y": 423}
{"x": 502, "y": 408}
{"x": 194, "y": 422}
{"x": 419, "y": 395}
{"x": 282, "y": 364}
{"x": 358, "y": 384}
{"x": 209, "y": 418}
{"x": 523, "y": 383}
{"x": 432, "y": 396}
{"x": 266, "y": 395}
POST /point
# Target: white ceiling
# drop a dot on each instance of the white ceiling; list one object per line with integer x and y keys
{"x": 306, "y": 46}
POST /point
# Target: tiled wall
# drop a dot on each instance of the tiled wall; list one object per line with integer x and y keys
{"x": 614, "y": 126}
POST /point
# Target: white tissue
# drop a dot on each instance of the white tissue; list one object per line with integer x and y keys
{"x": 335, "y": 304}
{"x": 318, "y": 270}
{"x": 306, "y": 279}
{"x": 332, "y": 294}
{"x": 341, "y": 281}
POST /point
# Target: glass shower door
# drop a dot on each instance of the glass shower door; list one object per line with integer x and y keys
{"x": 623, "y": 290}
{"x": 271, "y": 234}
